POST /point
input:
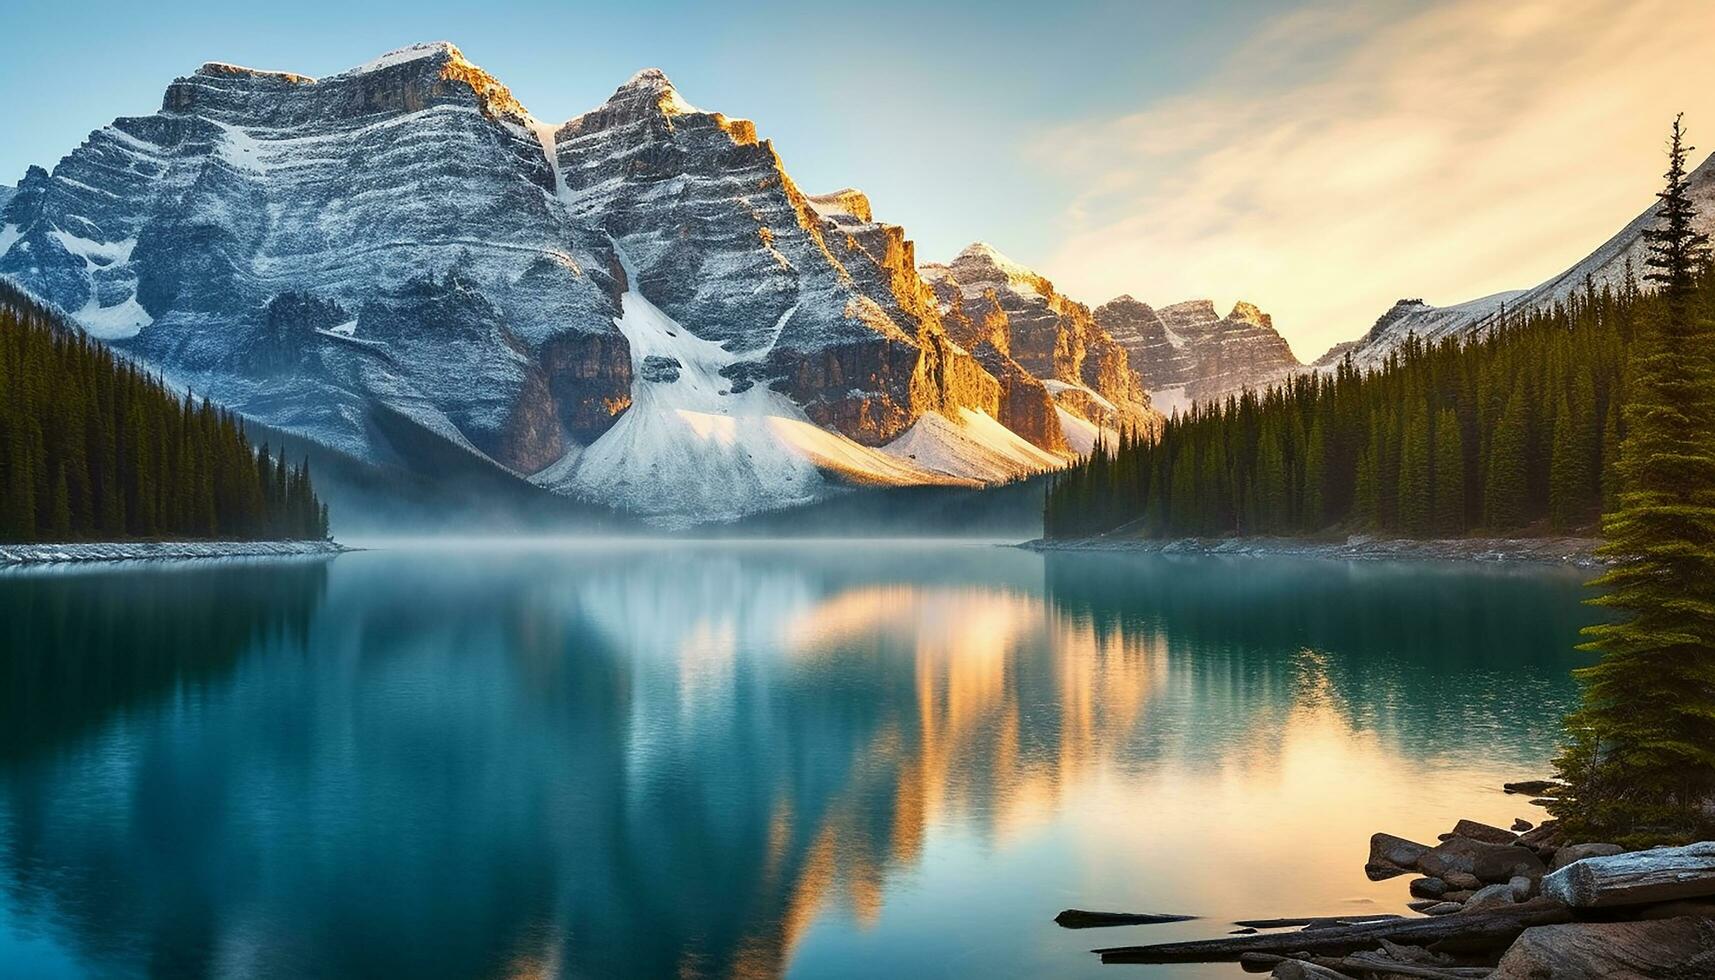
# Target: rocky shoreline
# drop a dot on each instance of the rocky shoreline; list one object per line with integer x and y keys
{"x": 1577, "y": 552}
{"x": 12, "y": 555}
{"x": 1504, "y": 904}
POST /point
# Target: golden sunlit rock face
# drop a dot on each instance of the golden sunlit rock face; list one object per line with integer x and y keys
{"x": 1009, "y": 313}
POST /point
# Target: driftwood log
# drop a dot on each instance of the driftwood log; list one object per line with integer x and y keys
{"x": 1368, "y": 964}
{"x": 1318, "y": 921}
{"x": 1468, "y": 932}
{"x": 1664, "y": 874}
{"x": 1081, "y": 919}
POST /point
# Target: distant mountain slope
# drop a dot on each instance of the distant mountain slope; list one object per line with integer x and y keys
{"x": 1187, "y": 352}
{"x": 638, "y": 307}
{"x": 1047, "y": 350}
{"x": 1606, "y": 266}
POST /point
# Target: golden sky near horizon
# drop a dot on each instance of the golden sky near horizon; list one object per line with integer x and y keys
{"x": 1460, "y": 150}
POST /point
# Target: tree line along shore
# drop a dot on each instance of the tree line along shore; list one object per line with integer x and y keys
{"x": 93, "y": 448}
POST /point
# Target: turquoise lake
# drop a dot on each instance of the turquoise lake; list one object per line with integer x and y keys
{"x": 659, "y": 759}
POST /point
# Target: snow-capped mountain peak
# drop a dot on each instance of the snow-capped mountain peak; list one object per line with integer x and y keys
{"x": 399, "y": 255}
{"x": 442, "y": 50}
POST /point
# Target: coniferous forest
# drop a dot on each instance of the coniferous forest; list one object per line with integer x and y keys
{"x": 93, "y": 448}
{"x": 1511, "y": 430}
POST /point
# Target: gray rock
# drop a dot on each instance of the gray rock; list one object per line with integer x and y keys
{"x": 1423, "y": 904}
{"x": 1578, "y": 852}
{"x": 1463, "y": 881}
{"x": 1391, "y": 856}
{"x": 1523, "y": 887}
{"x": 1429, "y": 887}
{"x": 1491, "y": 896}
{"x": 1444, "y": 908}
{"x": 1488, "y": 862}
{"x": 1472, "y": 830}
{"x": 660, "y": 368}
{"x": 1666, "y": 948}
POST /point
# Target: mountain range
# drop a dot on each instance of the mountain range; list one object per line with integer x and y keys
{"x": 638, "y": 307}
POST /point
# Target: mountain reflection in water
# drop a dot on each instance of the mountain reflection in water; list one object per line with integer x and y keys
{"x": 735, "y": 759}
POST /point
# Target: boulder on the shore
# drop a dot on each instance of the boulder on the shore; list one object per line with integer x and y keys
{"x": 1472, "y": 830}
{"x": 1423, "y": 904}
{"x": 1521, "y": 825}
{"x": 1391, "y": 856}
{"x": 1523, "y": 887}
{"x": 1444, "y": 908}
{"x": 1488, "y": 862}
{"x": 1491, "y": 896}
{"x": 1681, "y": 947}
{"x": 1463, "y": 881}
{"x": 1429, "y": 887}
{"x": 1578, "y": 852}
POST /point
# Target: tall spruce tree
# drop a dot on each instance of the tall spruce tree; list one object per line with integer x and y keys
{"x": 1641, "y": 761}
{"x": 1569, "y": 472}
{"x": 1448, "y": 508}
{"x": 1507, "y": 482}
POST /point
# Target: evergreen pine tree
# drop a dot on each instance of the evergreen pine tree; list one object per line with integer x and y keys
{"x": 1414, "y": 472}
{"x": 1448, "y": 509}
{"x": 1641, "y": 764}
{"x": 1508, "y": 482}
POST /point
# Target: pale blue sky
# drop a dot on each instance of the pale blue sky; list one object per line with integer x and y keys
{"x": 1318, "y": 157}
{"x": 926, "y": 106}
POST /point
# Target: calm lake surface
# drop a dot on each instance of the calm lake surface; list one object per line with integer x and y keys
{"x": 815, "y": 759}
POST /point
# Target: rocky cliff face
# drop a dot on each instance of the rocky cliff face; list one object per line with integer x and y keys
{"x": 403, "y": 240}
{"x": 812, "y": 293}
{"x": 409, "y": 197}
{"x": 1065, "y": 360}
{"x": 1188, "y": 352}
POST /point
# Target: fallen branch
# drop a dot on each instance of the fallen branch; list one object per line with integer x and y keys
{"x": 1081, "y": 919}
{"x": 1374, "y": 964}
{"x": 1315, "y": 920}
{"x": 1473, "y": 931}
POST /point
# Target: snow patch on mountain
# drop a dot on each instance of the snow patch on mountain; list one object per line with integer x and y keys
{"x": 409, "y": 53}
{"x": 1082, "y": 434}
{"x": 692, "y": 448}
{"x": 974, "y": 447}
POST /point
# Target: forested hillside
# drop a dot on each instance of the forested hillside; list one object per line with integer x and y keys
{"x": 1511, "y": 431}
{"x": 92, "y": 448}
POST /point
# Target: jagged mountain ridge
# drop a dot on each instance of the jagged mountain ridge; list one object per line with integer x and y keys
{"x": 404, "y": 241}
{"x": 1188, "y": 353}
{"x": 1606, "y": 266}
{"x": 1054, "y": 362}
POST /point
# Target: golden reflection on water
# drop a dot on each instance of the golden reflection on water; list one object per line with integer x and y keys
{"x": 1303, "y": 774}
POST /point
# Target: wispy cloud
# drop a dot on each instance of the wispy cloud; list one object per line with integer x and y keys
{"x": 1342, "y": 158}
